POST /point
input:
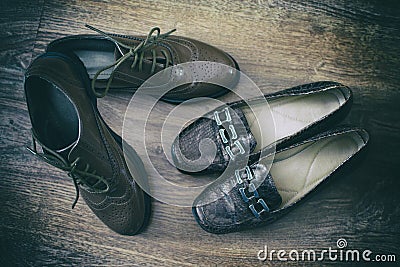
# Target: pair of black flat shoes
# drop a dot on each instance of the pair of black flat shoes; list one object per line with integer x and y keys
{"x": 266, "y": 175}
{"x": 68, "y": 132}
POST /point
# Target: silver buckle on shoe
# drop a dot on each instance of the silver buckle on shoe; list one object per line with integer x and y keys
{"x": 238, "y": 174}
{"x": 230, "y": 152}
{"x": 233, "y": 136}
{"x": 264, "y": 208}
{"x": 248, "y": 198}
{"x": 228, "y": 117}
{"x": 251, "y": 186}
{"x": 223, "y": 137}
{"x": 233, "y": 132}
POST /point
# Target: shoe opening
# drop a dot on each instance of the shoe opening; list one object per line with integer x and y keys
{"x": 54, "y": 117}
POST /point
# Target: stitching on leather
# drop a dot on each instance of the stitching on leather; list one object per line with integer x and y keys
{"x": 122, "y": 74}
{"x": 177, "y": 40}
{"x": 294, "y": 100}
{"x": 292, "y": 118}
{"x": 286, "y": 190}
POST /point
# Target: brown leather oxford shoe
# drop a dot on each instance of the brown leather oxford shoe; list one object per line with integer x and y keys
{"x": 73, "y": 137}
{"x": 122, "y": 62}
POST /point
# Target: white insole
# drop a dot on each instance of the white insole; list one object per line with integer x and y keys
{"x": 297, "y": 171}
{"x": 290, "y": 114}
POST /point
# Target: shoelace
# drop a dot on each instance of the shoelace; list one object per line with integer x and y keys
{"x": 79, "y": 177}
{"x": 137, "y": 52}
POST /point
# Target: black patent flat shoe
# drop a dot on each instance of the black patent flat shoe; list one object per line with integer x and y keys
{"x": 254, "y": 196}
{"x": 298, "y": 113}
{"x": 123, "y": 62}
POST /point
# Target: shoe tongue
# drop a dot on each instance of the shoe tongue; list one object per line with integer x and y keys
{"x": 267, "y": 189}
{"x": 138, "y": 74}
{"x": 120, "y": 51}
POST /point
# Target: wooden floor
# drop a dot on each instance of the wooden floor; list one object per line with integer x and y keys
{"x": 277, "y": 44}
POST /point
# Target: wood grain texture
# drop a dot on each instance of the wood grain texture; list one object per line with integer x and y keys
{"x": 277, "y": 44}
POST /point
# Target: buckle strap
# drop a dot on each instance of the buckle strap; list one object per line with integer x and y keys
{"x": 264, "y": 206}
{"x": 258, "y": 205}
{"x": 236, "y": 148}
{"x": 227, "y": 118}
{"x": 244, "y": 176}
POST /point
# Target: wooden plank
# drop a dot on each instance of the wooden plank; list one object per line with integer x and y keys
{"x": 278, "y": 44}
